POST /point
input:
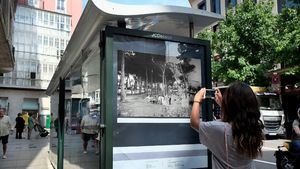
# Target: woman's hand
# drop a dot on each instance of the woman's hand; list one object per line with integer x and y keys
{"x": 195, "y": 113}
{"x": 218, "y": 97}
{"x": 200, "y": 95}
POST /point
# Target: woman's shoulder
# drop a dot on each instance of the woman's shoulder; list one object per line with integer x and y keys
{"x": 217, "y": 124}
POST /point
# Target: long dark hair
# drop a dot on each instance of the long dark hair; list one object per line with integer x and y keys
{"x": 241, "y": 109}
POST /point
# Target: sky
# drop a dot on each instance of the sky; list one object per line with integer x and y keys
{"x": 184, "y": 3}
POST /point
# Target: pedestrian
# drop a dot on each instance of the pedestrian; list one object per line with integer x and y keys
{"x": 56, "y": 126}
{"x": 20, "y": 124}
{"x": 25, "y": 116}
{"x": 5, "y": 127}
{"x": 89, "y": 129}
{"x": 31, "y": 125}
{"x": 236, "y": 139}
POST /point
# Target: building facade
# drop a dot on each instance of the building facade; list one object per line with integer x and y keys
{"x": 221, "y": 6}
{"x": 41, "y": 33}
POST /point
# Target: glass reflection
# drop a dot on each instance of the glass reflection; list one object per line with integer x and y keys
{"x": 82, "y": 117}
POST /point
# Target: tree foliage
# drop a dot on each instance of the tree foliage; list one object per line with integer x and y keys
{"x": 246, "y": 43}
{"x": 288, "y": 48}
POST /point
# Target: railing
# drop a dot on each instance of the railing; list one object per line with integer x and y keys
{"x": 23, "y": 83}
{"x": 27, "y": 83}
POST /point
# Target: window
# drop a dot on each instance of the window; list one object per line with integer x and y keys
{"x": 51, "y": 41}
{"x": 62, "y": 44}
{"x": 215, "y": 6}
{"x": 56, "y": 42}
{"x": 50, "y": 68}
{"x": 33, "y": 17}
{"x": 40, "y": 41}
{"x": 57, "y": 21}
{"x": 46, "y": 21}
{"x": 67, "y": 23}
{"x": 46, "y": 41}
{"x": 61, "y": 5}
{"x": 62, "y": 22}
{"x": 40, "y": 16}
{"x": 26, "y": 66}
{"x": 33, "y": 67}
{"x": 32, "y": 75}
{"x": 202, "y": 5}
{"x": 62, "y": 52}
{"x": 57, "y": 53}
{"x": 39, "y": 66}
{"x": 51, "y": 19}
{"x": 230, "y": 3}
{"x": 45, "y": 68}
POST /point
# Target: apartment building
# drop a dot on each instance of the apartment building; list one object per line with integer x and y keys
{"x": 42, "y": 31}
{"x": 221, "y": 6}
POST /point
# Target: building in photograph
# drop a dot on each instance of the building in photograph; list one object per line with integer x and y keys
{"x": 42, "y": 30}
{"x": 7, "y": 15}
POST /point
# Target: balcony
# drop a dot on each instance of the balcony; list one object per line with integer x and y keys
{"x": 24, "y": 83}
{"x": 10, "y": 82}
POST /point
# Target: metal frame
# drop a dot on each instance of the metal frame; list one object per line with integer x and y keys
{"x": 108, "y": 84}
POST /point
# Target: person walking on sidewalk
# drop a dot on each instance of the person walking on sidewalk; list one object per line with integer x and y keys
{"x": 89, "y": 130}
{"x": 25, "y": 116}
{"x": 5, "y": 126}
{"x": 20, "y": 124}
{"x": 30, "y": 125}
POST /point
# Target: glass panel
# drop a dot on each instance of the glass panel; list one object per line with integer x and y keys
{"x": 82, "y": 115}
{"x": 158, "y": 76}
{"x": 154, "y": 85}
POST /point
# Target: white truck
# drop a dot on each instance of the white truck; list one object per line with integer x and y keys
{"x": 272, "y": 114}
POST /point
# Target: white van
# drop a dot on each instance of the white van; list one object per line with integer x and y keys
{"x": 272, "y": 114}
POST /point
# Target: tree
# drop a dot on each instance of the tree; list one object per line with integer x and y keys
{"x": 288, "y": 48}
{"x": 246, "y": 43}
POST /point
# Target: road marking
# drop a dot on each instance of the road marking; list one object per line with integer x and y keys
{"x": 266, "y": 162}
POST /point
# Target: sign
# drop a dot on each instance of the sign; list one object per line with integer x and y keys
{"x": 275, "y": 78}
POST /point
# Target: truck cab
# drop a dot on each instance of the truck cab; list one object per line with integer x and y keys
{"x": 272, "y": 114}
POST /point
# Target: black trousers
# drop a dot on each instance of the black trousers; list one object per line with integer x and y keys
{"x": 19, "y": 134}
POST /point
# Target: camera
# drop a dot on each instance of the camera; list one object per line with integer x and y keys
{"x": 210, "y": 93}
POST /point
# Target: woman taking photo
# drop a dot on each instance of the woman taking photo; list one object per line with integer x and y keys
{"x": 236, "y": 139}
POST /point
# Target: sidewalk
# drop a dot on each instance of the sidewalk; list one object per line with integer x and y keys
{"x": 26, "y": 154}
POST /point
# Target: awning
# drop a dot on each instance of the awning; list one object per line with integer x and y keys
{"x": 171, "y": 20}
{"x": 30, "y": 105}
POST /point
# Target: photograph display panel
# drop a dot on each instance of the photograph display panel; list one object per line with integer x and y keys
{"x": 156, "y": 81}
{"x": 156, "y": 78}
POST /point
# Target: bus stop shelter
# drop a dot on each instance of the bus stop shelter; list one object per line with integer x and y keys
{"x": 134, "y": 69}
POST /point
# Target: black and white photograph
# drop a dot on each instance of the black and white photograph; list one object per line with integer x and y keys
{"x": 152, "y": 84}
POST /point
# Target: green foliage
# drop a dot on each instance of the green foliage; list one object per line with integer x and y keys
{"x": 288, "y": 48}
{"x": 247, "y": 43}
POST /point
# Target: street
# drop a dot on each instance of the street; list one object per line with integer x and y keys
{"x": 268, "y": 161}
